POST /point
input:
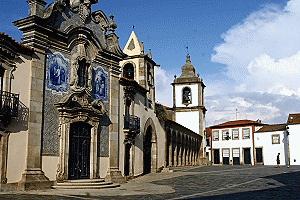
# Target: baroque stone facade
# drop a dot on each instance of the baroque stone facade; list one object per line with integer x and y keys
{"x": 82, "y": 108}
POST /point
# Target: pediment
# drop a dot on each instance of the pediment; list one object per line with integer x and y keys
{"x": 81, "y": 101}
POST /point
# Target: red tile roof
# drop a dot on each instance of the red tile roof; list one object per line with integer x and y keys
{"x": 272, "y": 127}
{"x": 294, "y": 118}
{"x": 237, "y": 123}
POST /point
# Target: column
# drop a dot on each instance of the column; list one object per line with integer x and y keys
{"x": 184, "y": 150}
{"x": 170, "y": 147}
{"x": 176, "y": 149}
{"x": 188, "y": 151}
{"x": 114, "y": 174}
{"x": 180, "y": 149}
{"x": 33, "y": 177}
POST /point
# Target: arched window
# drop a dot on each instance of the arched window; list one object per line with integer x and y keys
{"x": 128, "y": 71}
{"x": 82, "y": 73}
{"x": 186, "y": 96}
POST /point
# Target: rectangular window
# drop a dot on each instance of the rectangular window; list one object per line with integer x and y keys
{"x": 246, "y": 133}
{"x": 235, "y": 134}
{"x": 225, "y": 134}
{"x": 276, "y": 139}
{"x": 216, "y": 135}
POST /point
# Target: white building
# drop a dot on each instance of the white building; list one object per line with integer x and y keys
{"x": 293, "y": 125}
{"x": 269, "y": 141}
{"x": 232, "y": 142}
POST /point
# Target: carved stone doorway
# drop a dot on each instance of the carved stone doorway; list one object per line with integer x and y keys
{"x": 79, "y": 152}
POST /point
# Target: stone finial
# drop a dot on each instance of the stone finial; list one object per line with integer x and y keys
{"x": 188, "y": 58}
{"x": 36, "y": 7}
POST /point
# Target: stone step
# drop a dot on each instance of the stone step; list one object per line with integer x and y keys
{"x": 85, "y": 181}
{"x": 74, "y": 187}
{"x": 85, "y": 184}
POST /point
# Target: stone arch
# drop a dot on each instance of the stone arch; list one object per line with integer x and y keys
{"x": 150, "y": 147}
{"x": 186, "y": 95}
{"x": 134, "y": 68}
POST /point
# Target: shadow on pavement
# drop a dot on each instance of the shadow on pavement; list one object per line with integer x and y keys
{"x": 289, "y": 190}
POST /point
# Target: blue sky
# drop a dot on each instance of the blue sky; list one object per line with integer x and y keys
{"x": 222, "y": 36}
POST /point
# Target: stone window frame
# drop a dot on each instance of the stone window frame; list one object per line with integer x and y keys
{"x": 225, "y": 132}
{"x": 246, "y": 137}
{"x": 238, "y": 134}
{"x": 214, "y": 133}
{"x": 274, "y": 136}
{"x": 190, "y": 95}
{"x": 124, "y": 73}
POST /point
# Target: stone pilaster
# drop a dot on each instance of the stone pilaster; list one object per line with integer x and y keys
{"x": 114, "y": 174}
{"x": 33, "y": 176}
{"x": 171, "y": 151}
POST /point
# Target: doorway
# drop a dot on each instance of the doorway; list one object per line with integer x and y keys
{"x": 79, "y": 151}
{"x": 247, "y": 156}
{"x": 226, "y": 155}
{"x": 216, "y": 156}
{"x": 148, "y": 151}
{"x": 127, "y": 160}
{"x": 236, "y": 156}
{"x": 259, "y": 155}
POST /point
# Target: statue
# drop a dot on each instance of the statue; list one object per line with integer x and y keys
{"x": 83, "y": 7}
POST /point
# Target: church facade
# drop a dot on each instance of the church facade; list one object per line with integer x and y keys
{"x": 75, "y": 106}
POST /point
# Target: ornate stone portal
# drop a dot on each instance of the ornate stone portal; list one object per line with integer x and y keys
{"x": 78, "y": 107}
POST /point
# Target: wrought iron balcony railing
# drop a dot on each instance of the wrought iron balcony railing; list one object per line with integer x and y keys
{"x": 9, "y": 105}
{"x": 132, "y": 123}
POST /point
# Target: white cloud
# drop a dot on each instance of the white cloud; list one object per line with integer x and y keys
{"x": 163, "y": 86}
{"x": 262, "y": 58}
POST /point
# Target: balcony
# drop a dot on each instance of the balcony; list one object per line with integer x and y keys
{"x": 9, "y": 106}
{"x": 132, "y": 123}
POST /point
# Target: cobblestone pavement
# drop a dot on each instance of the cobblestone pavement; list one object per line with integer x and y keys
{"x": 211, "y": 182}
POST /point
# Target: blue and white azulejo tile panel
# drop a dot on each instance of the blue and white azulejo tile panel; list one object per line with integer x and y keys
{"x": 58, "y": 73}
{"x": 100, "y": 83}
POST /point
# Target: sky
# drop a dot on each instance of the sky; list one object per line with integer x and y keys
{"x": 247, "y": 52}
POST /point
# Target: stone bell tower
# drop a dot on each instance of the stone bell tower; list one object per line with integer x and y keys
{"x": 188, "y": 100}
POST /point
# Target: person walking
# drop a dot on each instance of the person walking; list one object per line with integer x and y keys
{"x": 278, "y": 160}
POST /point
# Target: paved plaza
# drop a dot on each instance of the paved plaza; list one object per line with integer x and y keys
{"x": 211, "y": 182}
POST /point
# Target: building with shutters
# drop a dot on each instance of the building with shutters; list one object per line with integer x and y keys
{"x": 232, "y": 142}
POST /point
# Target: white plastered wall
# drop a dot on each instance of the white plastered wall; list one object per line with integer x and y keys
{"x": 17, "y": 142}
{"x": 294, "y": 146}
{"x": 189, "y": 120}
{"x": 264, "y": 140}
{"x": 49, "y": 166}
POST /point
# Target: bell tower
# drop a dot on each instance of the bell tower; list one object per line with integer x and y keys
{"x": 188, "y": 100}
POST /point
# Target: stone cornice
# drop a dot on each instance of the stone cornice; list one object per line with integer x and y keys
{"x": 133, "y": 83}
{"x": 194, "y": 108}
{"x": 146, "y": 57}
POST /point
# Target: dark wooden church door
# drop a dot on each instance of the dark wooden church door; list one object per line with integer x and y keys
{"x": 147, "y": 151}
{"x": 79, "y": 151}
